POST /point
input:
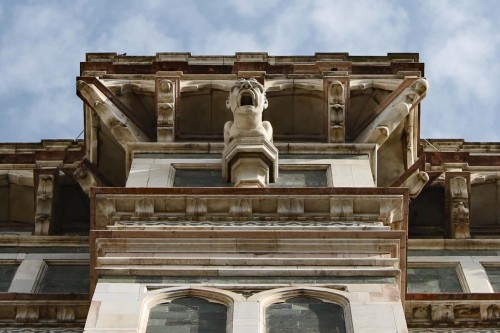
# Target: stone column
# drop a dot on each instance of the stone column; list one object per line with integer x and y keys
{"x": 250, "y": 162}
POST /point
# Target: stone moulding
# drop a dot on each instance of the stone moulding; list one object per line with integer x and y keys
{"x": 47, "y": 311}
{"x": 113, "y": 209}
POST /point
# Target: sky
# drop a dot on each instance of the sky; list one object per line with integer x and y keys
{"x": 43, "y": 42}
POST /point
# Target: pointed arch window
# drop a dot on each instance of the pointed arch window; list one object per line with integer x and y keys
{"x": 305, "y": 314}
{"x": 188, "y": 314}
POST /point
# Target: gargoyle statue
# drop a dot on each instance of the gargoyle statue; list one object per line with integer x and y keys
{"x": 247, "y": 100}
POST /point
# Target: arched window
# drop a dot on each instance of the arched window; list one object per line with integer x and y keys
{"x": 187, "y": 314}
{"x": 305, "y": 314}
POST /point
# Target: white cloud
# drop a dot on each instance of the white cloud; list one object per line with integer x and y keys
{"x": 42, "y": 44}
{"x": 461, "y": 47}
{"x": 229, "y": 41}
{"x": 360, "y": 27}
{"x": 135, "y": 35}
{"x": 254, "y": 8}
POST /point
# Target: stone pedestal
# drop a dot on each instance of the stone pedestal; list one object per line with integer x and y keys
{"x": 250, "y": 162}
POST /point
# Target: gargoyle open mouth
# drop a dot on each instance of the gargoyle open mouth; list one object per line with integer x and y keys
{"x": 247, "y": 98}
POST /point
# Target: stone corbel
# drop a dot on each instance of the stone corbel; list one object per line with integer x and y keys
{"x": 87, "y": 175}
{"x": 85, "y": 178}
{"x": 290, "y": 207}
{"x": 167, "y": 92}
{"x": 457, "y": 186}
{"x": 27, "y": 314}
{"x": 390, "y": 214}
{"x": 44, "y": 206}
{"x": 490, "y": 312}
{"x": 120, "y": 126}
{"x": 105, "y": 210}
{"x": 394, "y": 113}
{"x": 65, "y": 314}
{"x": 336, "y": 97}
{"x": 144, "y": 208}
{"x": 416, "y": 182}
{"x": 442, "y": 313}
{"x": 240, "y": 208}
{"x": 196, "y": 208}
{"x": 341, "y": 209}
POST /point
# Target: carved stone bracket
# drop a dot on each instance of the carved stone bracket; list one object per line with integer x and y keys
{"x": 240, "y": 208}
{"x": 290, "y": 207}
{"x": 336, "y": 97}
{"x": 196, "y": 208}
{"x": 27, "y": 314}
{"x": 105, "y": 210}
{"x": 394, "y": 111}
{"x": 122, "y": 128}
{"x": 457, "y": 186}
{"x": 167, "y": 93}
{"x": 44, "y": 206}
{"x": 341, "y": 209}
{"x": 85, "y": 178}
{"x": 144, "y": 207}
{"x": 65, "y": 313}
{"x": 416, "y": 182}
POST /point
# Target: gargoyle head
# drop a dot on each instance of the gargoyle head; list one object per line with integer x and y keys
{"x": 247, "y": 96}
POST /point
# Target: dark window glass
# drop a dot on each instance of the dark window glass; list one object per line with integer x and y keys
{"x": 66, "y": 279}
{"x": 305, "y": 314}
{"x": 188, "y": 314}
{"x": 7, "y": 273}
{"x": 433, "y": 280}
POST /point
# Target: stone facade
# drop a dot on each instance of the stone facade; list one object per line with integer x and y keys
{"x": 250, "y": 193}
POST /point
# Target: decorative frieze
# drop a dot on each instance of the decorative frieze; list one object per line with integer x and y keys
{"x": 453, "y": 313}
{"x": 112, "y": 209}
